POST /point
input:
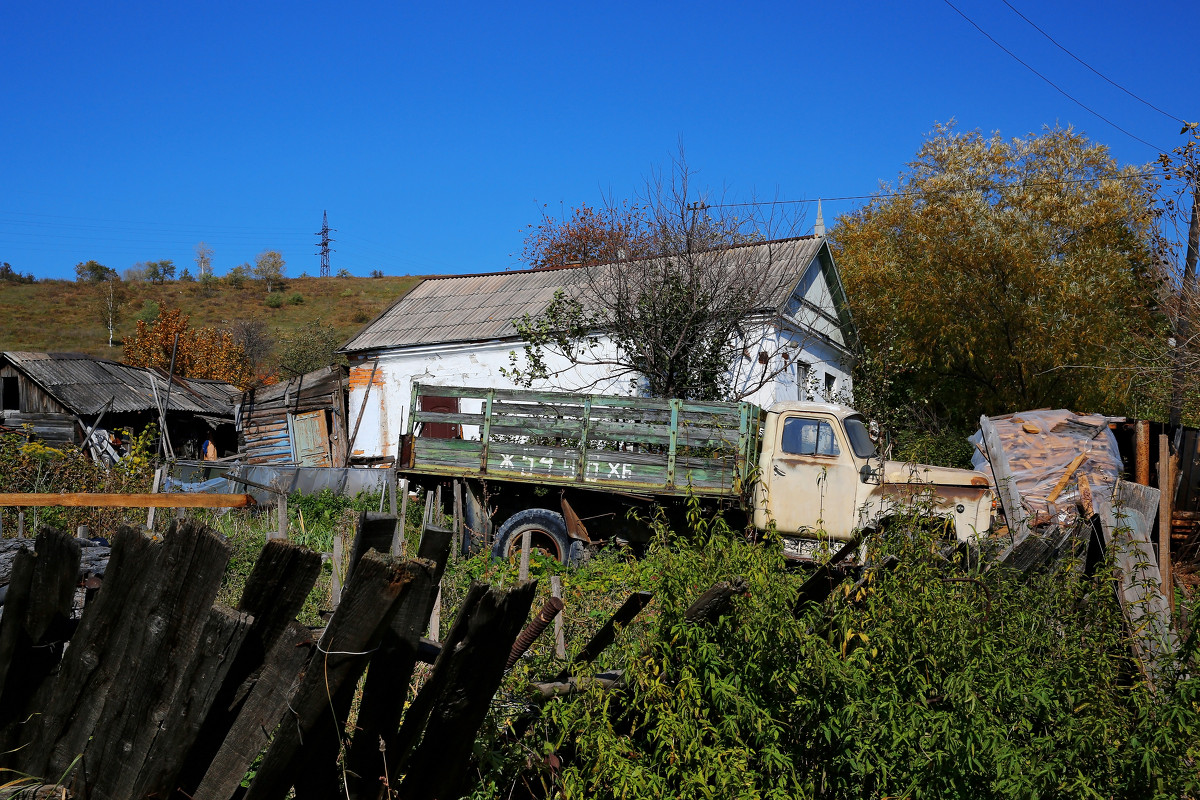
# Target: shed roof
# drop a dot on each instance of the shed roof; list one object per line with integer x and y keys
{"x": 467, "y": 308}
{"x": 85, "y": 384}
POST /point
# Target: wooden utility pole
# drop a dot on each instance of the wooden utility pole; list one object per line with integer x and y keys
{"x": 1187, "y": 296}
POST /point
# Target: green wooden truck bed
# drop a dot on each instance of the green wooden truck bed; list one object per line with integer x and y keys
{"x": 627, "y": 444}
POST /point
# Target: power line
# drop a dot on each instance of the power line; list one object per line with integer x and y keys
{"x": 1058, "y": 88}
{"x": 1028, "y": 184}
{"x": 1141, "y": 100}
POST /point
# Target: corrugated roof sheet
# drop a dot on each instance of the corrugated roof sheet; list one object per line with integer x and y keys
{"x": 85, "y": 384}
{"x": 464, "y": 308}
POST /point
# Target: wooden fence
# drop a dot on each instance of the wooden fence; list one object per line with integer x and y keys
{"x": 155, "y": 691}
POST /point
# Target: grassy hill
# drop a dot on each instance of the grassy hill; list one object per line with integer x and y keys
{"x": 65, "y": 316}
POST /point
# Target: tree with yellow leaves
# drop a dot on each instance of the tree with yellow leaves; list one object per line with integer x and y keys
{"x": 1002, "y": 274}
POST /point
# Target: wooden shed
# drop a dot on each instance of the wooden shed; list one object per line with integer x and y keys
{"x": 60, "y": 396}
{"x": 301, "y": 421}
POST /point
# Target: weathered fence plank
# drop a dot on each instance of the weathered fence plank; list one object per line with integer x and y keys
{"x": 221, "y": 640}
{"x": 607, "y": 633}
{"x": 447, "y": 712}
{"x": 388, "y": 677}
{"x": 259, "y": 714}
{"x": 35, "y": 624}
{"x": 354, "y": 631}
{"x": 275, "y": 592}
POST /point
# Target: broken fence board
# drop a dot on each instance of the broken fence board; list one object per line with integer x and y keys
{"x": 1147, "y": 612}
{"x": 190, "y": 565}
{"x": 468, "y": 675}
{"x": 36, "y": 621}
{"x": 607, "y": 633}
{"x": 282, "y": 577}
{"x": 258, "y": 715}
{"x": 220, "y": 642}
{"x": 388, "y": 676}
{"x": 354, "y": 631}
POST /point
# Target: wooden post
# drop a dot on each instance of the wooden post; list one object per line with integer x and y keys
{"x": 435, "y": 618}
{"x": 158, "y": 476}
{"x": 1143, "y": 452}
{"x": 1, "y": 523}
{"x": 81, "y": 532}
{"x": 459, "y": 536}
{"x": 437, "y": 506}
{"x": 283, "y": 518}
{"x": 392, "y": 490}
{"x": 525, "y": 541}
{"x": 1166, "y": 483}
{"x": 20, "y": 524}
{"x": 429, "y": 518}
{"x": 335, "y": 587}
{"x": 398, "y": 540}
{"x": 560, "y": 641}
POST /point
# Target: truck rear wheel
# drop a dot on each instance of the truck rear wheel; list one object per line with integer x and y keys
{"x": 547, "y": 534}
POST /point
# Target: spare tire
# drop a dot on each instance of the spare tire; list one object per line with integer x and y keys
{"x": 547, "y": 534}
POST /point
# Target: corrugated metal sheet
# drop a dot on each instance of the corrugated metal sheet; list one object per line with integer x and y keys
{"x": 85, "y": 384}
{"x": 480, "y": 307}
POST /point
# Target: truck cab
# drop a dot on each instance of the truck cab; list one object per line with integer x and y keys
{"x": 821, "y": 478}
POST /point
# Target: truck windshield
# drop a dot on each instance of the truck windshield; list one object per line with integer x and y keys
{"x": 860, "y": 437}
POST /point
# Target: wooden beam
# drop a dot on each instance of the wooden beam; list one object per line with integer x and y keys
{"x": 102, "y": 500}
{"x": 1166, "y": 482}
{"x": 1142, "y": 465}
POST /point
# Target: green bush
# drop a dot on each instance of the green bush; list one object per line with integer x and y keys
{"x": 274, "y": 300}
{"x": 148, "y": 312}
{"x": 295, "y": 299}
{"x": 928, "y": 683}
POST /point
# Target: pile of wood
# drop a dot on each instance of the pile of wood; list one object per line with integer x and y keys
{"x": 153, "y": 690}
{"x": 1057, "y": 475}
{"x": 1053, "y": 458}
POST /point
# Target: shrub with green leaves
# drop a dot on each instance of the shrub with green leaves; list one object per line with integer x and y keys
{"x": 928, "y": 683}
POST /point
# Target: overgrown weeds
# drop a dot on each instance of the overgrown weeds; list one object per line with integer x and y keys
{"x": 921, "y": 684}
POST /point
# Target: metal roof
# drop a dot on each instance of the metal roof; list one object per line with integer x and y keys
{"x": 466, "y": 308}
{"x": 84, "y": 384}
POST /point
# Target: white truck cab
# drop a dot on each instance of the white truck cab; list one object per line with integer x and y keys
{"x": 820, "y": 478}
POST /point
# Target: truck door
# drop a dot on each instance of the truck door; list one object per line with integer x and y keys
{"x": 811, "y": 482}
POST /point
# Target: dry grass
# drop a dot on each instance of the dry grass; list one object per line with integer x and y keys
{"x": 64, "y": 316}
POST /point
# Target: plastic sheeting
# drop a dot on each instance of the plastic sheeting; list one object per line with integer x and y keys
{"x": 1041, "y": 446}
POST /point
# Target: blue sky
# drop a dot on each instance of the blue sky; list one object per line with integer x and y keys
{"x": 434, "y": 133}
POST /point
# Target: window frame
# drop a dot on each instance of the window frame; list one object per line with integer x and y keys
{"x": 820, "y": 420}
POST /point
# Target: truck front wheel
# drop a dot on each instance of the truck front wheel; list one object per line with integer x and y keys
{"x": 547, "y": 534}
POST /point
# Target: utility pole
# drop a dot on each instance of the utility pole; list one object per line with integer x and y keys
{"x": 325, "y": 240}
{"x": 1182, "y": 346}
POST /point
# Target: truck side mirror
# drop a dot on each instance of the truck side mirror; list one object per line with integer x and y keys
{"x": 867, "y": 474}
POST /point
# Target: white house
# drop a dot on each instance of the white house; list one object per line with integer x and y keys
{"x": 457, "y": 330}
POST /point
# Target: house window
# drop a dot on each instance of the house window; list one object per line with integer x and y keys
{"x": 11, "y": 395}
{"x": 809, "y": 437}
{"x": 830, "y": 382}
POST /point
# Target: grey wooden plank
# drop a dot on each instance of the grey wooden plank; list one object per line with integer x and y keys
{"x": 257, "y": 717}
{"x": 222, "y": 638}
{"x": 353, "y": 633}
{"x": 454, "y": 702}
{"x": 1139, "y": 583}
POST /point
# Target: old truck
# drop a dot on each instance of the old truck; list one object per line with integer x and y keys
{"x": 568, "y": 468}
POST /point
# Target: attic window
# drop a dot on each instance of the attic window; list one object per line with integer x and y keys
{"x": 11, "y": 399}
